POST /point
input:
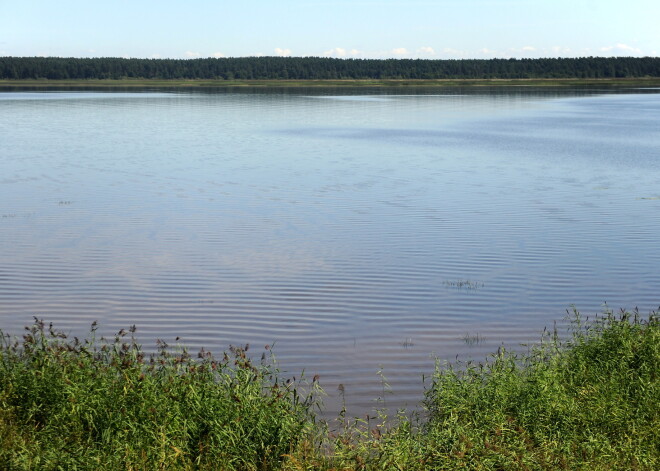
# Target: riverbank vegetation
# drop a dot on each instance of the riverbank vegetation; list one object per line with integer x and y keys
{"x": 588, "y": 400}
{"x": 175, "y": 84}
{"x": 323, "y": 68}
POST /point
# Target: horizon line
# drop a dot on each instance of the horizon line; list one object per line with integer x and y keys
{"x": 329, "y": 57}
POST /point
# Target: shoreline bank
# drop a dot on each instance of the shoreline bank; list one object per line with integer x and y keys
{"x": 388, "y": 83}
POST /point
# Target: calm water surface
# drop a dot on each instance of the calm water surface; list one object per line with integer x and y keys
{"x": 358, "y": 230}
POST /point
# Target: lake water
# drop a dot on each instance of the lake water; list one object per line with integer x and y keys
{"x": 358, "y": 230}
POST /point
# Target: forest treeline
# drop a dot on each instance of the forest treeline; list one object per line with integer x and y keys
{"x": 319, "y": 68}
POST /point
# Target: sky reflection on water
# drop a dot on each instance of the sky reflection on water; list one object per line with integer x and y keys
{"x": 342, "y": 229}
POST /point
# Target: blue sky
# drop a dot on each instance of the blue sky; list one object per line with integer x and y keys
{"x": 337, "y": 28}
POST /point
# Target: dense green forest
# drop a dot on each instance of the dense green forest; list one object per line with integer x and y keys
{"x": 318, "y": 68}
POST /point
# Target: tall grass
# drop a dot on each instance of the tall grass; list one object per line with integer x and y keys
{"x": 591, "y": 401}
{"x": 588, "y": 400}
{"x": 71, "y": 404}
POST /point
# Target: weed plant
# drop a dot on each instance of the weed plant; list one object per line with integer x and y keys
{"x": 591, "y": 401}
{"x": 71, "y": 404}
{"x": 586, "y": 400}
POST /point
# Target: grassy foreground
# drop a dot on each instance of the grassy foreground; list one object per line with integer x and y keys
{"x": 204, "y": 83}
{"x": 591, "y": 401}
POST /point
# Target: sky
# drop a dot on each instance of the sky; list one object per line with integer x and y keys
{"x": 441, "y": 29}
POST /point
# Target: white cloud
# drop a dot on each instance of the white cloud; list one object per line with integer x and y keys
{"x": 426, "y": 50}
{"x": 335, "y": 52}
{"x": 282, "y": 52}
{"x": 399, "y": 51}
{"x": 155, "y": 56}
{"x": 218, "y": 55}
{"x": 192, "y": 55}
{"x": 528, "y": 48}
{"x": 622, "y": 48}
{"x": 341, "y": 52}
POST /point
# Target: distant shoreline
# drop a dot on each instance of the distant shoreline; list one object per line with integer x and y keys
{"x": 282, "y": 83}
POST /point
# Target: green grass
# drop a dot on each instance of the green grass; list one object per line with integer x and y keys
{"x": 70, "y": 404}
{"x": 589, "y": 402}
{"x": 204, "y": 83}
{"x": 586, "y": 400}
